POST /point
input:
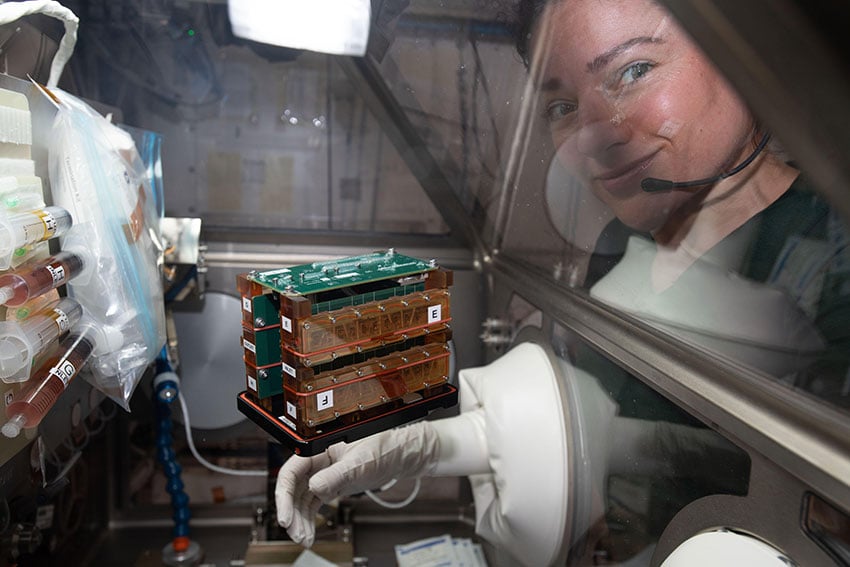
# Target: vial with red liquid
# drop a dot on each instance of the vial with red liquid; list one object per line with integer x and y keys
{"x": 29, "y": 406}
{"x": 31, "y": 280}
{"x": 22, "y": 341}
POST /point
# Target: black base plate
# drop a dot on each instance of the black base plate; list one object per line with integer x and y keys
{"x": 307, "y": 447}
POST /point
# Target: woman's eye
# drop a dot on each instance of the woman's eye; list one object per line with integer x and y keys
{"x": 559, "y": 110}
{"x": 635, "y": 71}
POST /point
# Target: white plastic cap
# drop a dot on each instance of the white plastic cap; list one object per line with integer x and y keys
{"x": 89, "y": 264}
{"x": 15, "y": 355}
{"x": 109, "y": 339}
{"x": 106, "y": 338}
{"x": 160, "y": 378}
{"x": 13, "y": 427}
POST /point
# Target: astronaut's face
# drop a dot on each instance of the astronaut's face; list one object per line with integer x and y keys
{"x": 627, "y": 95}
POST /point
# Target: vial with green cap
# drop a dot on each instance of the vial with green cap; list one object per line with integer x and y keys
{"x": 21, "y": 229}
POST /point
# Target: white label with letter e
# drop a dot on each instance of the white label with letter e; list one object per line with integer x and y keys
{"x": 252, "y": 383}
{"x": 325, "y": 400}
{"x": 435, "y": 313}
{"x": 292, "y": 410}
{"x": 246, "y": 304}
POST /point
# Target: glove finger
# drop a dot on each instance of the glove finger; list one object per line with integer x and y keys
{"x": 308, "y": 507}
{"x": 292, "y": 482}
{"x": 296, "y": 529}
{"x": 312, "y": 512}
{"x": 290, "y": 474}
{"x": 340, "y": 479}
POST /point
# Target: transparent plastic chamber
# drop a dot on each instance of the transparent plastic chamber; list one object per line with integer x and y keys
{"x": 550, "y": 146}
{"x": 743, "y": 261}
{"x": 535, "y": 151}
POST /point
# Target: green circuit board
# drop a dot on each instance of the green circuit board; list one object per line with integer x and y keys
{"x": 318, "y": 277}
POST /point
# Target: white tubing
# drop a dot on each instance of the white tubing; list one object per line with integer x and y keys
{"x": 203, "y": 461}
{"x": 396, "y": 505}
{"x": 11, "y": 11}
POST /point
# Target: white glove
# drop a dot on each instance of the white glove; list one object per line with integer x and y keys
{"x": 448, "y": 447}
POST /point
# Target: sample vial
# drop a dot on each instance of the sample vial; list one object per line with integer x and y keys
{"x": 18, "y": 287}
{"x": 29, "y": 406}
{"x": 28, "y": 228}
{"x": 21, "y": 341}
{"x": 32, "y": 306}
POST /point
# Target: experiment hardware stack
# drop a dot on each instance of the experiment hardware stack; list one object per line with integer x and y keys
{"x": 338, "y": 350}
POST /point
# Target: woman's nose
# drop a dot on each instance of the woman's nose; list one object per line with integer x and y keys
{"x": 602, "y": 126}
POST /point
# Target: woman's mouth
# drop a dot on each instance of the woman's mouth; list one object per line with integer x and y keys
{"x": 625, "y": 178}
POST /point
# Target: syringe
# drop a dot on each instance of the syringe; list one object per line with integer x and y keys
{"x": 19, "y": 286}
{"x": 21, "y": 341}
{"x": 29, "y": 406}
{"x": 27, "y": 228}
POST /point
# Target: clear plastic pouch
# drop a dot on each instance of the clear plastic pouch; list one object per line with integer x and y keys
{"x": 97, "y": 175}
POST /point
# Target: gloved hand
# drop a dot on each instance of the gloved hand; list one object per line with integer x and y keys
{"x": 447, "y": 447}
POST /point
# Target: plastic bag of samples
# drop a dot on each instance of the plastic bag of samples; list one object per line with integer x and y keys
{"x": 97, "y": 175}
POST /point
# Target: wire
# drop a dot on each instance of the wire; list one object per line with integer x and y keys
{"x": 203, "y": 461}
{"x": 39, "y": 57}
{"x": 485, "y": 84}
{"x": 68, "y": 465}
{"x": 396, "y": 505}
{"x": 477, "y": 78}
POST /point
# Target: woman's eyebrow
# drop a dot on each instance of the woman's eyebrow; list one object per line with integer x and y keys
{"x": 603, "y": 60}
{"x": 551, "y": 84}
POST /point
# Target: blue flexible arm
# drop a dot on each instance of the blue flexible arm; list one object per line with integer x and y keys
{"x": 168, "y": 459}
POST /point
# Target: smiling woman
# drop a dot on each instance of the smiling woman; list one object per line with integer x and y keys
{"x": 731, "y": 246}
{"x": 627, "y": 96}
